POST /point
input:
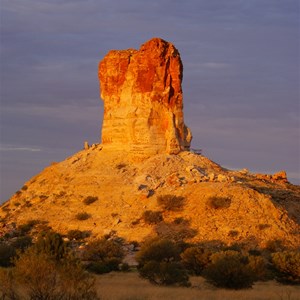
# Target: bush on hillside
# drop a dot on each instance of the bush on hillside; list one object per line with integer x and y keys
{"x": 287, "y": 265}
{"x": 89, "y": 200}
{"x": 219, "y": 202}
{"x": 171, "y": 202}
{"x": 152, "y": 217}
{"x": 82, "y": 216}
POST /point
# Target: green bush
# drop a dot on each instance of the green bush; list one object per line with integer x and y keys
{"x": 287, "y": 265}
{"x": 165, "y": 273}
{"x": 229, "y": 269}
{"x": 171, "y": 202}
{"x": 152, "y": 217}
{"x": 103, "y": 255}
{"x": 52, "y": 245}
{"x": 82, "y": 216}
{"x": 89, "y": 200}
{"x": 7, "y": 253}
{"x": 195, "y": 259}
{"x": 159, "y": 263}
{"x": 22, "y": 242}
{"x": 26, "y": 227}
{"x": 219, "y": 202}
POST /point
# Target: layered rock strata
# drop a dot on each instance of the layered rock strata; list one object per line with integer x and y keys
{"x": 143, "y": 103}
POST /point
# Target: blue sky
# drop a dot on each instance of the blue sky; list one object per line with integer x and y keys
{"x": 241, "y": 77}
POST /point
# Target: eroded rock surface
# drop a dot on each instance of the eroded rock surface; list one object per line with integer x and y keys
{"x": 143, "y": 103}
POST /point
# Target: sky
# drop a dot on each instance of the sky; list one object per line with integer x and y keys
{"x": 241, "y": 78}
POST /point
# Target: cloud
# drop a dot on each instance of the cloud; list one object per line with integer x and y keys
{"x": 27, "y": 149}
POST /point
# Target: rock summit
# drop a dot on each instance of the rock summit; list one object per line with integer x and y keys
{"x": 143, "y": 103}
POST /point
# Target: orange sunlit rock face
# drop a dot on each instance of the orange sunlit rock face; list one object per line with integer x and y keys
{"x": 143, "y": 101}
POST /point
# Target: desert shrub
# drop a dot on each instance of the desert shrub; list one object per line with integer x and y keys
{"x": 22, "y": 242}
{"x": 275, "y": 246}
{"x": 8, "y": 285}
{"x": 125, "y": 267}
{"x": 219, "y": 202}
{"x": 52, "y": 245}
{"x": 44, "y": 279}
{"x": 24, "y": 188}
{"x": 195, "y": 259}
{"x": 104, "y": 255}
{"x": 121, "y": 166}
{"x": 165, "y": 273}
{"x": 76, "y": 234}
{"x": 259, "y": 267}
{"x": 152, "y": 217}
{"x": 89, "y": 200}
{"x": 82, "y": 216}
{"x": 98, "y": 267}
{"x": 38, "y": 274}
{"x": 75, "y": 283}
{"x": 287, "y": 265}
{"x": 229, "y": 270}
{"x": 171, "y": 202}
{"x": 26, "y": 227}
{"x": 7, "y": 253}
{"x": 159, "y": 263}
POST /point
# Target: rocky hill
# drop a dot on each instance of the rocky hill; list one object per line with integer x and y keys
{"x": 144, "y": 167}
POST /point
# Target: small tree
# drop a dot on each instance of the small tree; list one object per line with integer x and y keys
{"x": 52, "y": 244}
{"x": 287, "y": 265}
{"x": 104, "y": 255}
{"x": 195, "y": 259}
{"x": 229, "y": 270}
{"x": 38, "y": 274}
{"x": 159, "y": 263}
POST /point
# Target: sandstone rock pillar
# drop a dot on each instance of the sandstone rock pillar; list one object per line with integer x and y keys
{"x": 143, "y": 103}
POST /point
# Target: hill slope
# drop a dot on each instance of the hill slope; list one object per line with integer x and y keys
{"x": 210, "y": 203}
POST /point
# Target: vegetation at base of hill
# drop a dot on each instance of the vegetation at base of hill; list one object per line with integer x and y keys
{"x": 76, "y": 234}
{"x": 161, "y": 260}
{"x": 229, "y": 269}
{"x": 287, "y": 266}
{"x": 103, "y": 255}
{"x": 159, "y": 263}
{"x": 43, "y": 277}
{"x": 171, "y": 202}
{"x": 196, "y": 259}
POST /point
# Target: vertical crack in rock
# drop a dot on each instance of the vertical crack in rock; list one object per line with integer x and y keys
{"x": 143, "y": 103}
